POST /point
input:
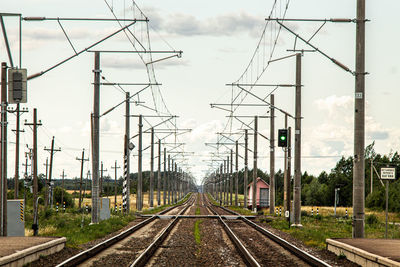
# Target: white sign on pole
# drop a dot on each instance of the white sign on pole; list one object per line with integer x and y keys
{"x": 388, "y": 173}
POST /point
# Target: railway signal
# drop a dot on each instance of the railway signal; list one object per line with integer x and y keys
{"x": 282, "y": 137}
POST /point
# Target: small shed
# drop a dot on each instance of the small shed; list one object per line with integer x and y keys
{"x": 262, "y": 194}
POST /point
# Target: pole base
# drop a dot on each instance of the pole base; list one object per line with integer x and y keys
{"x": 299, "y": 225}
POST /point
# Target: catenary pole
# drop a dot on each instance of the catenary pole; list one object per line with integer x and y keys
{"x": 272, "y": 156}
{"x": 359, "y": 126}
{"x": 297, "y": 147}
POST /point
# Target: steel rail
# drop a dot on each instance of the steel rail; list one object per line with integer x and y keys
{"x": 143, "y": 258}
{"x": 246, "y": 255}
{"x": 91, "y": 252}
{"x": 305, "y": 256}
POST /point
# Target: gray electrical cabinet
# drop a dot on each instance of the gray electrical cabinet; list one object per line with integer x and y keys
{"x": 104, "y": 209}
{"x": 15, "y": 217}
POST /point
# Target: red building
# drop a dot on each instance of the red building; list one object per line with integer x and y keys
{"x": 262, "y": 194}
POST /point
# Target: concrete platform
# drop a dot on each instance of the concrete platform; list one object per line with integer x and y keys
{"x": 17, "y": 251}
{"x": 367, "y": 252}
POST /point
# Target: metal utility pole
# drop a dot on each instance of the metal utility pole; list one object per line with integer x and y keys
{"x": 159, "y": 174}
{"x": 96, "y": 140}
{"x": 289, "y": 170}
{"x": 231, "y": 180}
{"x": 165, "y": 178}
{"x": 272, "y": 157}
{"x": 254, "y": 201}
{"x": 286, "y": 203}
{"x": 3, "y": 146}
{"x": 359, "y": 126}
{"x": 82, "y": 160}
{"x": 221, "y": 183}
{"x": 225, "y": 182}
{"x": 169, "y": 179}
{"x": 127, "y": 182}
{"x": 176, "y": 182}
{"x": 151, "y": 193}
{"x": 52, "y": 151}
{"x": 62, "y": 188}
{"x": 246, "y": 167}
{"x": 297, "y": 147}
{"x": 139, "y": 204}
{"x": 237, "y": 174}
{"x": 34, "y": 163}
{"x": 115, "y": 183}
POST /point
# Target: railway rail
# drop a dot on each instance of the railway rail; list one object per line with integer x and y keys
{"x": 167, "y": 232}
{"x": 304, "y": 256}
{"x": 101, "y": 247}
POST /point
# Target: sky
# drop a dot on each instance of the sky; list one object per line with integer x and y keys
{"x": 218, "y": 40}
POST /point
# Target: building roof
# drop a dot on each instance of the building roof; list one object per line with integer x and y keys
{"x": 258, "y": 179}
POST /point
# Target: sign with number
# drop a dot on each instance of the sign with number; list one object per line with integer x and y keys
{"x": 287, "y": 214}
{"x": 388, "y": 173}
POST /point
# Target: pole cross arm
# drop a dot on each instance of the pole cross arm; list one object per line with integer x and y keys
{"x": 80, "y": 52}
{"x": 262, "y": 100}
{"x": 336, "y": 62}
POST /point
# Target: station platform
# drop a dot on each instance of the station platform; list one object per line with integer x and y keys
{"x": 367, "y": 252}
{"x": 18, "y": 251}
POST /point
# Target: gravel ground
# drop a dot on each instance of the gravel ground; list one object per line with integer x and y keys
{"x": 266, "y": 252}
{"x": 124, "y": 255}
{"x": 180, "y": 249}
{"x": 324, "y": 255}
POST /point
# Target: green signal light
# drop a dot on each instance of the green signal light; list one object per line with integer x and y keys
{"x": 283, "y": 138}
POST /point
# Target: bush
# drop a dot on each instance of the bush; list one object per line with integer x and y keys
{"x": 372, "y": 219}
{"x": 69, "y": 203}
{"x": 318, "y": 217}
{"x": 304, "y": 213}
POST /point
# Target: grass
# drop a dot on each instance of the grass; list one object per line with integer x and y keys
{"x": 316, "y": 230}
{"x": 69, "y": 225}
{"x": 163, "y": 207}
{"x": 197, "y": 211}
{"x": 197, "y": 235}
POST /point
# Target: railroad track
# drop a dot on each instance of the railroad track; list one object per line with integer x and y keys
{"x": 244, "y": 231}
{"x": 166, "y": 239}
{"x": 90, "y": 255}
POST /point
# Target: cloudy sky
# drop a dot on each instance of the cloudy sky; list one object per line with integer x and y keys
{"x": 218, "y": 40}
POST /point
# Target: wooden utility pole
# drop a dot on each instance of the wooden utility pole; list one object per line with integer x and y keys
{"x": 254, "y": 201}
{"x": 159, "y": 174}
{"x": 237, "y": 173}
{"x": 52, "y": 151}
{"x": 102, "y": 170}
{"x": 34, "y": 163}
{"x": 115, "y": 183}
{"x": 82, "y": 160}
{"x": 272, "y": 157}
{"x": 62, "y": 188}
{"x": 3, "y": 146}
{"x": 359, "y": 126}
{"x": 95, "y": 118}
{"x": 246, "y": 167}
{"x": 46, "y": 184}
{"x": 17, "y": 133}
{"x": 165, "y": 177}
{"x": 139, "y": 203}
{"x": 151, "y": 193}
{"x": 297, "y": 147}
